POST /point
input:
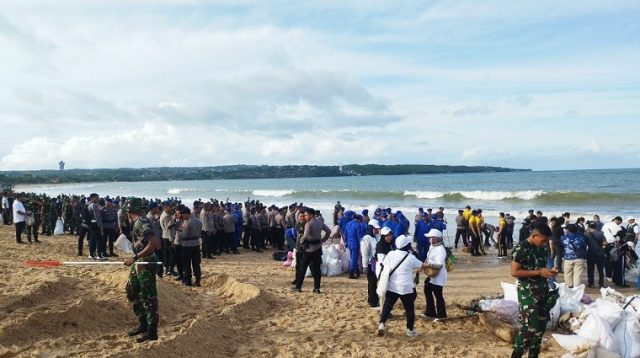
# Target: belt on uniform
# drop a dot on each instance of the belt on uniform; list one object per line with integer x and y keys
{"x": 190, "y": 238}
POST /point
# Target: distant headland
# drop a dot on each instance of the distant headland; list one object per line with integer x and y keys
{"x": 233, "y": 172}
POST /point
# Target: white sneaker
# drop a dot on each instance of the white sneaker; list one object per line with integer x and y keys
{"x": 376, "y": 308}
{"x": 411, "y": 333}
{"x": 381, "y": 329}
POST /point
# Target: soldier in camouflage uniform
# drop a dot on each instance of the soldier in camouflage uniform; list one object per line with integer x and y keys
{"x": 34, "y": 205}
{"x": 529, "y": 260}
{"x": 141, "y": 287}
{"x": 46, "y": 222}
{"x": 67, "y": 213}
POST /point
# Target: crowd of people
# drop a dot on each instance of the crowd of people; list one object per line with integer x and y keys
{"x": 379, "y": 243}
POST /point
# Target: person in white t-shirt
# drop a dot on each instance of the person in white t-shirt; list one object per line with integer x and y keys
{"x": 436, "y": 258}
{"x": 19, "y": 217}
{"x": 403, "y": 265}
{"x": 5, "y": 209}
{"x": 368, "y": 253}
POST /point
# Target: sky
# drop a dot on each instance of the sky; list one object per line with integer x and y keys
{"x": 140, "y": 83}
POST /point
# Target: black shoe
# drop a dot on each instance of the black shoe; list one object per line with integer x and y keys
{"x": 151, "y": 335}
{"x": 293, "y": 282}
{"x": 178, "y": 278}
{"x": 590, "y": 286}
{"x": 316, "y": 291}
{"x": 142, "y": 328}
{"x": 258, "y": 250}
{"x": 235, "y": 252}
{"x": 173, "y": 273}
{"x": 19, "y": 242}
{"x": 37, "y": 241}
{"x": 112, "y": 255}
{"x": 352, "y": 276}
{"x": 296, "y": 289}
{"x": 197, "y": 284}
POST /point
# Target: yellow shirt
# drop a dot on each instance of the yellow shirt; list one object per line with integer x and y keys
{"x": 466, "y": 214}
{"x": 473, "y": 224}
{"x": 502, "y": 224}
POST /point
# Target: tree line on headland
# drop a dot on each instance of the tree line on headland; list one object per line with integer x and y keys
{"x": 231, "y": 172}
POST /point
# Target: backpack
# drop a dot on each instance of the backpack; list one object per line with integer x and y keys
{"x": 280, "y": 255}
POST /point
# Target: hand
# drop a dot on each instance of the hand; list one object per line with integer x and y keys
{"x": 547, "y": 273}
{"x": 366, "y": 270}
{"x": 129, "y": 261}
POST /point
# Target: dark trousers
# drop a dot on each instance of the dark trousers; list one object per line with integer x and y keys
{"x": 432, "y": 291}
{"x": 33, "y": 230}
{"x": 95, "y": 240}
{"x": 168, "y": 255}
{"x": 254, "y": 239}
{"x": 461, "y": 233}
{"x": 272, "y": 236}
{"x": 82, "y": 232}
{"x": 372, "y": 296}
{"x": 592, "y": 263}
{"x": 19, "y": 230}
{"x": 264, "y": 232}
{"x": 246, "y": 235}
{"x": 618, "y": 270}
{"x": 5, "y": 217}
{"x": 110, "y": 237}
{"x": 279, "y": 238}
{"x": 475, "y": 244}
{"x": 229, "y": 242}
{"x": 310, "y": 260}
{"x": 206, "y": 249}
{"x": 503, "y": 245}
{"x": 608, "y": 265}
{"x": 190, "y": 257}
{"x": 178, "y": 259}
{"x": 408, "y": 302}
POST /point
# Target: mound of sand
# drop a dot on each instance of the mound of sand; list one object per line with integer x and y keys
{"x": 244, "y": 308}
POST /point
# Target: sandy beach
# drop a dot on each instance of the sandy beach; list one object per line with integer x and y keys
{"x": 243, "y": 309}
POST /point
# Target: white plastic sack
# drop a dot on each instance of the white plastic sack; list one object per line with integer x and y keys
{"x": 627, "y": 336}
{"x": 485, "y": 305}
{"x": 554, "y": 315}
{"x": 59, "y": 229}
{"x": 574, "y": 344}
{"x": 570, "y": 298}
{"x": 124, "y": 245}
{"x": 383, "y": 283}
{"x": 600, "y": 324}
{"x": 334, "y": 267}
{"x": 510, "y": 291}
{"x": 346, "y": 258}
{"x": 507, "y": 311}
{"x": 631, "y": 275}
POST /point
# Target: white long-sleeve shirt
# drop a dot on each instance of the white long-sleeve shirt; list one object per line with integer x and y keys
{"x": 610, "y": 230}
{"x": 368, "y": 248}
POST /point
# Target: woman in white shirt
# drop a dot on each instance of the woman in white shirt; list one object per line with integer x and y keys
{"x": 402, "y": 265}
{"x": 436, "y": 258}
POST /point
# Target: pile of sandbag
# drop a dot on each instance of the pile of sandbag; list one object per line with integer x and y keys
{"x": 609, "y": 326}
{"x": 335, "y": 260}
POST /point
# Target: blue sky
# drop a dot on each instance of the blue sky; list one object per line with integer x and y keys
{"x": 542, "y": 85}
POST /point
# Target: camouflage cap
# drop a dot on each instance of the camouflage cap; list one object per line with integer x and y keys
{"x": 134, "y": 205}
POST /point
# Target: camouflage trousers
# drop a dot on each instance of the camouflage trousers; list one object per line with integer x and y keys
{"x": 142, "y": 291}
{"x": 534, "y": 315}
{"x": 32, "y": 231}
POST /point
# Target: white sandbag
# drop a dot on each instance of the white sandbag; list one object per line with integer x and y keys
{"x": 507, "y": 311}
{"x": 345, "y": 258}
{"x": 124, "y": 245}
{"x": 59, "y": 229}
{"x": 485, "y": 305}
{"x": 554, "y": 315}
{"x": 334, "y": 267}
{"x": 627, "y": 336}
{"x": 599, "y": 330}
{"x": 570, "y": 298}
{"x": 574, "y": 344}
{"x": 510, "y": 291}
{"x": 609, "y": 312}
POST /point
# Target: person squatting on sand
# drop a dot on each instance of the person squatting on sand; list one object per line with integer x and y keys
{"x": 528, "y": 265}
{"x": 141, "y": 287}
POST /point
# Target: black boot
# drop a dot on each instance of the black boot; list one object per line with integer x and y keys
{"x": 142, "y": 328}
{"x": 151, "y": 335}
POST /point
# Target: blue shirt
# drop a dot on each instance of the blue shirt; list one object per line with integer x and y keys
{"x": 574, "y": 245}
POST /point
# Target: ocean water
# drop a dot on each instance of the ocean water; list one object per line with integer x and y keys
{"x": 580, "y": 192}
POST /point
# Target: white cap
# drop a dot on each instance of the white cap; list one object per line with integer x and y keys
{"x": 631, "y": 218}
{"x": 385, "y": 231}
{"x": 433, "y": 233}
{"x": 374, "y": 223}
{"x": 402, "y": 241}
